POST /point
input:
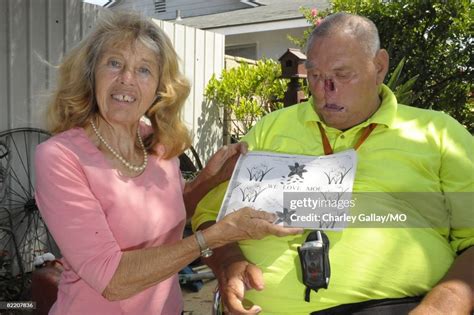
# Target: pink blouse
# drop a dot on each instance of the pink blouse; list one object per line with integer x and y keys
{"x": 94, "y": 214}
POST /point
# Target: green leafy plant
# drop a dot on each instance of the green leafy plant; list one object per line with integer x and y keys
{"x": 246, "y": 93}
{"x": 434, "y": 37}
{"x": 402, "y": 90}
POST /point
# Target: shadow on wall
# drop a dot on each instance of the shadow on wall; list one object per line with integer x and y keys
{"x": 209, "y": 130}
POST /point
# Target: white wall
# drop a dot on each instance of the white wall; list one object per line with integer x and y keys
{"x": 31, "y": 32}
{"x": 202, "y": 55}
{"x": 270, "y": 44}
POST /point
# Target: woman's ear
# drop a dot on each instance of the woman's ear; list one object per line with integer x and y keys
{"x": 381, "y": 65}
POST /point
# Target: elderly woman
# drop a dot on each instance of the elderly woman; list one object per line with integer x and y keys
{"x": 108, "y": 185}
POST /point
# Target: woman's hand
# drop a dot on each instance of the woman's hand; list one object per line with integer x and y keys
{"x": 222, "y": 163}
{"x": 246, "y": 223}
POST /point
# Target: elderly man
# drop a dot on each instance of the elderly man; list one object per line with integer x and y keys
{"x": 425, "y": 270}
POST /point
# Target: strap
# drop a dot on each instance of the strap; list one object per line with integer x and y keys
{"x": 365, "y": 135}
{"x": 327, "y": 146}
{"x": 307, "y": 293}
{"x": 387, "y": 306}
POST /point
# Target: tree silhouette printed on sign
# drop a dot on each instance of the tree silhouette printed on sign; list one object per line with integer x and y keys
{"x": 257, "y": 173}
{"x": 251, "y": 193}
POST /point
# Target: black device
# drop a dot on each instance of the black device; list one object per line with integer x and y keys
{"x": 314, "y": 258}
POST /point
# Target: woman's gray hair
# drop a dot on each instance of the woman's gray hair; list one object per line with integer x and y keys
{"x": 361, "y": 28}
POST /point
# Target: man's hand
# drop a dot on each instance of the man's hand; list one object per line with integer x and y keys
{"x": 454, "y": 294}
{"x": 451, "y": 297}
{"x": 220, "y": 166}
{"x": 234, "y": 280}
{"x": 218, "y": 169}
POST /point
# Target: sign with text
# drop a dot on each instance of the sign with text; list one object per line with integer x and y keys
{"x": 261, "y": 180}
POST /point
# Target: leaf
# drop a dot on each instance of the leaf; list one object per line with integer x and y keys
{"x": 392, "y": 83}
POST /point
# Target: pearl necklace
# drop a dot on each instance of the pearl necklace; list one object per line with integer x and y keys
{"x": 118, "y": 156}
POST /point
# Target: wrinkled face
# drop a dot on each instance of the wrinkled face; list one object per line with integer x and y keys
{"x": 344, "y": 78}
{"x": 126, "y": 82}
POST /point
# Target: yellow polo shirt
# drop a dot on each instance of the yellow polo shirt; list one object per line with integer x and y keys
{"x": 410, "y": 151}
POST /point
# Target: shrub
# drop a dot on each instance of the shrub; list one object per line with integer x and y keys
{"x": 246, "y": 93}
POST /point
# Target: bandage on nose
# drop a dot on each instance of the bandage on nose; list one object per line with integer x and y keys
{"x": 328, "y": 85}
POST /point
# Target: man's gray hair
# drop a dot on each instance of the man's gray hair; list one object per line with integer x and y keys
{"x": 361, "y": 28}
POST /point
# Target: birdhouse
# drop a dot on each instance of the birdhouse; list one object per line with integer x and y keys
{"x": 293, "y": 68}
{"x": 292, "y": 64}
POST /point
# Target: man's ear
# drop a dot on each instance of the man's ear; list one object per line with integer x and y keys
{"x": 381, "y": 65}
